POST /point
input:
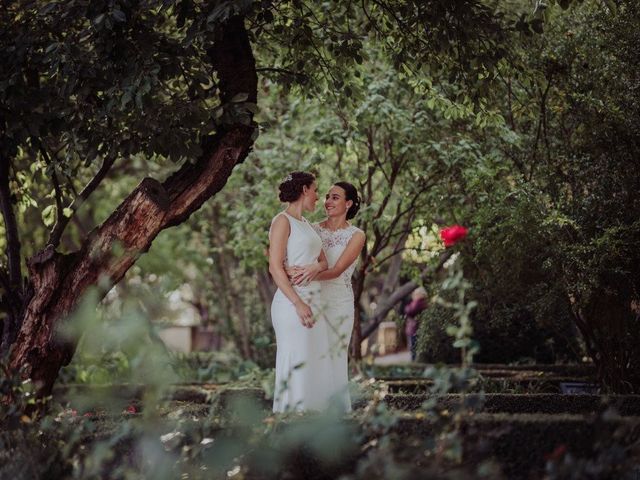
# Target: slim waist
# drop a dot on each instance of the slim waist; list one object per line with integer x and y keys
{"x": 307, "y": 292}
{"x": 339, "y": 282}
{"x": 314, "y": 285}
{"x": 337, "y": 287}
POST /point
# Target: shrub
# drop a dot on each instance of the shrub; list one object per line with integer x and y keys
{"x": 434, "y": 344}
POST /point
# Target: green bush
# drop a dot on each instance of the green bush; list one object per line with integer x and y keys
{"x": 434, "y": 344}
{"x": 210, "y": 367}
{"x": 112, "y": 367}
{"x": 105, "y": 368}
{"x": 505, "y": 333}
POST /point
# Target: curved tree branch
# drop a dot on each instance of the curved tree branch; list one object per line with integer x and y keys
{"x": 54, "y": 180}
{"x": 61, "y": 223}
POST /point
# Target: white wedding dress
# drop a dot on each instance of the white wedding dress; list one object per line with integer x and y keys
{"x": 304, "y": 377}
{"x": 339, "y": 309}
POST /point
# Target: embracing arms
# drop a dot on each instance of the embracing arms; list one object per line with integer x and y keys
{"x": 351, "y": 252}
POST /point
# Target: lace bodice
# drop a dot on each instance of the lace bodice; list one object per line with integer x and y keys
{"x": 333, "y": 244}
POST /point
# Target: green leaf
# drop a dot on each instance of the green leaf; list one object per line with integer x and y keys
{"x": 252, "y": 107}
{"x": 67, "y": 212}
{"x": 220, "y": 13}
{"x": 49, "y": 215}
{"x": 255, "y": 134}
{"x": 126, "y": 98}
{"x": 48, "y": 8}
{"x": 463, "y": 342}
{"x": 537, "y": 25}
{"x": 240, "y": 97}
{"x": 119, "y": 16}
{"x": 52, "y": 47}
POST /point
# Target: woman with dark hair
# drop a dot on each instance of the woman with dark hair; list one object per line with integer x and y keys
{"x": 341, "y": 243}
{"x": 303, "y": 368}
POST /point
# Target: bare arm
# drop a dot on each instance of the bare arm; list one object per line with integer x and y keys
{"x": 278, "y": 237}
{"x": 323, "y": 264}
{"x": 351, "y": 252}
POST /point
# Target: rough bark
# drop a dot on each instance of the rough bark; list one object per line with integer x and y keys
{"x": 12, "y": 281}
{"x": 356, "y": 335}
{"x": 59, "y": 281}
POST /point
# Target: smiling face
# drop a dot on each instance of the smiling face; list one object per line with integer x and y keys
{"x": 336, "y": 203}
{"x": 310, "y": 197}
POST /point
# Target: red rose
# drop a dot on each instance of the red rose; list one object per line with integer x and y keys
{"x": 452, "y": 235}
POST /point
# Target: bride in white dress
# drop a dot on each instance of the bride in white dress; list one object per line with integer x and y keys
{"x": 304, "y": 377}
{"x": 341, "y": 243}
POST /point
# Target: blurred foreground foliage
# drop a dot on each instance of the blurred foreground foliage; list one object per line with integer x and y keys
{"x": 98, "y": 433}
{"x": 96, "y": 436}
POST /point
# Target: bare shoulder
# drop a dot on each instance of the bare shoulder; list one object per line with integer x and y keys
{"x": 279, "y": 225}
{"x": 280, "y": 219}
{"x": 357, "y": 236}
{"x": 358, "y": 233}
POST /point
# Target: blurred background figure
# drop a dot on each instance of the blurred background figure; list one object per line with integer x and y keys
{"x": 412, "y": 311}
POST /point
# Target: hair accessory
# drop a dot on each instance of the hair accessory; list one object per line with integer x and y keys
{"x": 288, "y": 178}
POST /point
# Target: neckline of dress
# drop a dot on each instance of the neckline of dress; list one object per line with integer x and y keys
{"x": 337, "y": 230}
{"x": 303, "y": 220}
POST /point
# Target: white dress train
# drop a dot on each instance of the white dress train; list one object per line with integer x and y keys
{"x": 304, "y": 377}
{"x": 339, "y": 310}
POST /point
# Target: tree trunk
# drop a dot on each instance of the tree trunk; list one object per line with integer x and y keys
{"x": 245, "y": 329}
{"x": 225, "y": 312}
{"x": 606, "y": 323}
{"x": 267, "y": 289}
{"x": 392, "y": 277}
{"x": 11, "y": 280}
{"x": 59, "y": 281}
{"x": 356, "y": 336}
{"x": 235, "y": 307}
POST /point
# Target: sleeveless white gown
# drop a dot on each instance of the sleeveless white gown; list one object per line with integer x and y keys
{"x": 339, "y": 309}
{"x": 304, "y": 377}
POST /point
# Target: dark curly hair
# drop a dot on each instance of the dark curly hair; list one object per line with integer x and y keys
{"x": 351, "y": 194}
{"x": 291, "y": 187}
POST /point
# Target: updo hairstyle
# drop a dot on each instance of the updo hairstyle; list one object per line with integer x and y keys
{"x": 351, "y": 194}
{"x": 291, "y": 187}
